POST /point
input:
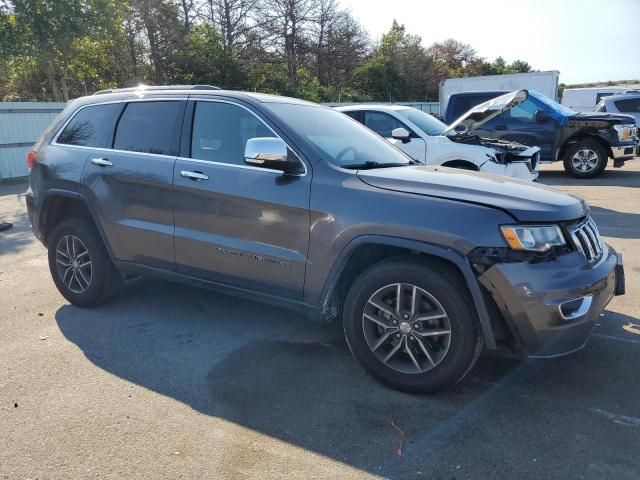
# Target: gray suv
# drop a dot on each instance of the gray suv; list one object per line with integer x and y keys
{"x": 288, "y": 202}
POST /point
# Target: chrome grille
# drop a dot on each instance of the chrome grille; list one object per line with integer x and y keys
{"x": 586, "y": 239}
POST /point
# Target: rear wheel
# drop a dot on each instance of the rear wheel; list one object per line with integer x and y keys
{"x": 585, "y": 159}
{"x": 80, "y": 265}
{"x": 412, "y": 327}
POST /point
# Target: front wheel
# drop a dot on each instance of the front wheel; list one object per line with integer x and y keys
{"x": 585, "y": 159}
{"x": 412, "y": 326}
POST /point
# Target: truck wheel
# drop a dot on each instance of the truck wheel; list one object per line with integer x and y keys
{"x": 585, "y": 159}
{"x": 80, "y": 265}
{"x": 411, "y": 326}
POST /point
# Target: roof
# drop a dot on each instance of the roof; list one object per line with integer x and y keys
{"x": 622, "y": 96}
{"x": 120, "y": 94}
{"x": 369, "y": 106}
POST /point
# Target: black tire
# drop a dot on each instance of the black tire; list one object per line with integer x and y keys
{"x": 443, "y": 285}
{"x": 104, "y": 279}
{"x": 579, "y": 168}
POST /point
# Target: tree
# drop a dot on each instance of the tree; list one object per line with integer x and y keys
{"x": 398, "y": 69}
{"x": 51, "y": 29}
{"x": 286, "y": 23}
{"x": 453, "y": 55}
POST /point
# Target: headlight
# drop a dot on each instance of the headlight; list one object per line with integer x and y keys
{"x": 624, "y": 131}
{"x": 533, "y": 238}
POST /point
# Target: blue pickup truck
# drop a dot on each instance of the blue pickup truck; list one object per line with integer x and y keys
{"x": 583, "y": 141}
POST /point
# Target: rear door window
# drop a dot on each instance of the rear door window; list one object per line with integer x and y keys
{"x": 92, "y": 126}
{"x": 149, "y": 127}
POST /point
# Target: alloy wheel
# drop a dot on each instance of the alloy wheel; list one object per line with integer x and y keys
{"x": 406, "y": 328}
{"x": 585, "y": 160}
{"x": 73, "y": 263}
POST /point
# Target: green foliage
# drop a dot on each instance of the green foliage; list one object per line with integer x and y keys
{"x": 61, "y": 49}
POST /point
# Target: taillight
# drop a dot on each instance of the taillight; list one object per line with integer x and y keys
{"x": 31, "y": 158}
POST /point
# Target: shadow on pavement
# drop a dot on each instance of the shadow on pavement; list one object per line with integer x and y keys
{"x": 619, "y": 177}
{"x": 17, "y": 237}
{"x": 269, "y": 370}
{"x": 616, "y": 224}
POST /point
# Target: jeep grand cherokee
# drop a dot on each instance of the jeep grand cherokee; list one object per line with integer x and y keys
{"x": 288, "y": 202}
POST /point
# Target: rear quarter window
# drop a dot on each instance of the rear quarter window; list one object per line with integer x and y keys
{"x": 91, "y": 126}
{"x": 149, "y": 127}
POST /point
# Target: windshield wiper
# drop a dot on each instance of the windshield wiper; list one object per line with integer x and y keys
{"x": 370, "y": 164}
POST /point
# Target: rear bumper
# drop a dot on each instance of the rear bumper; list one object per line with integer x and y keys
{"x": 552, "y": 307}
{"x": 33, "y": 213}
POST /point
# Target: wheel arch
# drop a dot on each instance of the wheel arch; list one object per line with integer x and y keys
{"x": 582, "y": 136}
{"x": 59, "y": 205}
{"x": 366, "y": 250}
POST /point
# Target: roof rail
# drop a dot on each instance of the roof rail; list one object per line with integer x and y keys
{"x": 142, "y": 88}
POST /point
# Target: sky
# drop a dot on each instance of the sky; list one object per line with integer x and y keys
{"x": 586, "y": 40}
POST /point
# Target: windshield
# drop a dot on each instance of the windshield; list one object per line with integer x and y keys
{"x": 547, "y": 102}
{"x": 425, "y": 122}
{"x": 338, "y": 138}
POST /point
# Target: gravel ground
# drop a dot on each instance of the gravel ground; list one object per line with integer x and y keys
{"x": 170, "y": 381}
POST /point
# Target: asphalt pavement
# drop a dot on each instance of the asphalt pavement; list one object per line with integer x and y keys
{"x": 174, "y": 382}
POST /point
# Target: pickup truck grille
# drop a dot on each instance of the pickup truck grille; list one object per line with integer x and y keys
{"x": 586, "y": 239}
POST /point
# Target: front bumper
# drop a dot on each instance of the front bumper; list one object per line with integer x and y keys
{"x": 541, "y": 302}
{"x": 625, "y": 151}
{"x": 520, "y": 170}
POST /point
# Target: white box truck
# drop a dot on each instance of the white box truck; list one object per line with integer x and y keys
{"x": 543, "y": 82}
{"x": 586, "y": 99}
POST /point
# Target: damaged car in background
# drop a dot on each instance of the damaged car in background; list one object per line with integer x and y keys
{"x": 583, "y": 141}
{"x": 429, "y": 141}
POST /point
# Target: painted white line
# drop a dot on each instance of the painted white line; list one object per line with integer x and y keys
{"x": 619, "y": 419}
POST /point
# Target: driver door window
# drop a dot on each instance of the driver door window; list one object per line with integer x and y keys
{"x": 522, "y": 113}
{"x": 381, "y": 123}
{"x": 221, "y": 131}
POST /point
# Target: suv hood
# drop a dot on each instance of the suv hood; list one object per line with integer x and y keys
{"x": 484, "y": 112}
{"x": 525, "y": 201}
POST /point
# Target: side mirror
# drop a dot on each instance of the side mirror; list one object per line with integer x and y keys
{"x": 460, "y": 128}
{"x": 400, "y": 134}
{"x": 541, "y": 116}
{"x": 267, "y": 152}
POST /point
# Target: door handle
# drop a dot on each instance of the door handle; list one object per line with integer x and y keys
{"x": 501, "y": 128}
{"x": 193, "y": 175}
{"x": 102, "y": 162}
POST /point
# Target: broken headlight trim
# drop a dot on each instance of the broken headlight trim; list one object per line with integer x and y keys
{"x": 624, "y": 131}
{"x": 533, "y": 238}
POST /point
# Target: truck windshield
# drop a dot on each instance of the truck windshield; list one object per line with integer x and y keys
{"x": 337, "y": 138}
{"x": 425, "y": 122}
